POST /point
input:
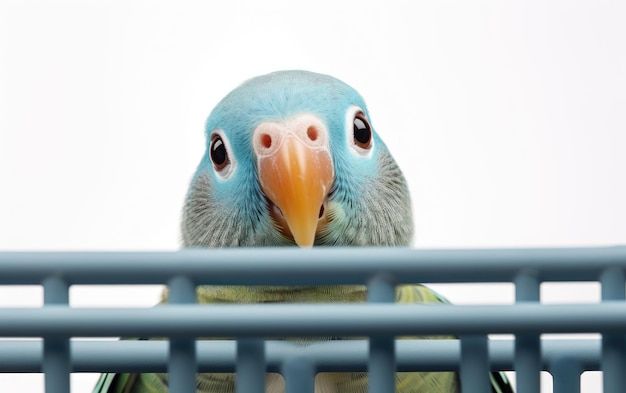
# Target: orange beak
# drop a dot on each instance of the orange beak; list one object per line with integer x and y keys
{"x": 295, "y": 172}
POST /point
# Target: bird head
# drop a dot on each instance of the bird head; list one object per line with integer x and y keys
{"x": 292, "y": 158}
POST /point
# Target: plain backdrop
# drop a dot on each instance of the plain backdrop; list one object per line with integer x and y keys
{"x": 508, "y": 119}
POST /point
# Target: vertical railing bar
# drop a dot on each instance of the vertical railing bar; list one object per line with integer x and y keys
{"x": 56, "y": 350}
{"x": 250, "y": 367}
{"x": 382, "y": 352}
{"x": 182, "y": 362}
{"x": 527, "y": 360}
{"x": 613, "y": 362}
{"x": 299, "y": 374}
{"x": 474, "y": 368}
{"x": 565, "y": 375}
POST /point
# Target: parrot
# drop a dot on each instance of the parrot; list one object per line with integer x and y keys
{"x": 292, "y": 159}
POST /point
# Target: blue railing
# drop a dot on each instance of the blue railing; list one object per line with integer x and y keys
{"x": 379, "y": 319}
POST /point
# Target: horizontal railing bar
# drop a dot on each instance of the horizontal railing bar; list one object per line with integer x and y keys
{"x": 293, "y": 266}
{"x": 312, "y": 320}
{"x": 346, "y": 355}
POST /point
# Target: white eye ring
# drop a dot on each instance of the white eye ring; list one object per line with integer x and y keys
{"x": 221, "y": 155}
{"x": 366, "y": 152}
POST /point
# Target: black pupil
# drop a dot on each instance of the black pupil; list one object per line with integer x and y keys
{"x": 362, "y": 132}
{"x": 218, "y": 151}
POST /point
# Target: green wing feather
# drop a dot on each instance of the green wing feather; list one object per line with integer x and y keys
{"x": 115, "y": 383}
{"x": 422, "y": 294}
{"x": 406, "y": 382}
{"x": 329, "y": 382}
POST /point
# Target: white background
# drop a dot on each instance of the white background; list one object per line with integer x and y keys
{"x": 508, "y": 119}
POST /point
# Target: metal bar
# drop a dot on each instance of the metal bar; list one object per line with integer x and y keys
{"x": 566, "y": 375}
{"x": 299, "y": 320}
{"x": 299, "y": 374}
{"x": 338, "y": 356}
{"x": 56, "y": 352}
{"x": 527, "y": 288}
{"x": 56, "y": 322}
{"x": 382, "y": 358}
{"x": 182, "y": 365}
{"x": 250, "y": 366}
{"x": 613, "y": 345}
{"x": 527, "y": 346}
{"x": 381, "y": 288}
{"x": 474, "y": 364}
{"x": 267, "y": 266}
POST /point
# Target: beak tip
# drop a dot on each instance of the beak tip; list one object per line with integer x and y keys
{"x": 304, "y": 243}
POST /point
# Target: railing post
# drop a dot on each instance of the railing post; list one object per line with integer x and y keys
{"x": 182, "y": 364}
{"x": 566, "y": 375}
{"x": 613, "y": 347}
{"x": 527, "y": 347}
{"x": 250, "y": 367}
{"x": 474, "y": 364}
{"x": 299, "y": 374}
{"x": 382, "y": 354}
{"x": 56, "y": 350}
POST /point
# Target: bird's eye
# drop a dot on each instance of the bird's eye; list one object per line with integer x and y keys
{"x": 219, "y": 155}
{"x": 362, "y": 131}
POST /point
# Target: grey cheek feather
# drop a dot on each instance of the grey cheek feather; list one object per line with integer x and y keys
{"x": 379, "y": 215}
{"x": 208, "y": 222}
{"x": 394, "y": 204}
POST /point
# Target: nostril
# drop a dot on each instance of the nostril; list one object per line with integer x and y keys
{"x": 321, "y": 211}
{"x": 266, "y": 141}
{"x": 311, "y": 132}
